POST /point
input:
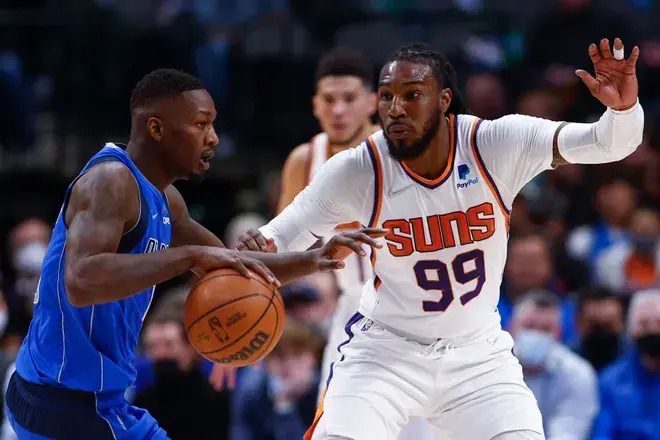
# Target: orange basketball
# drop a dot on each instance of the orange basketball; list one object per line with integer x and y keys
{"x": 234, "y": 320}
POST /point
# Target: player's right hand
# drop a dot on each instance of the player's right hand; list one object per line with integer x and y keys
{"x": 341, "y": 245}
{"x": 208, "y": 258}
{"x": 253, "y": 240}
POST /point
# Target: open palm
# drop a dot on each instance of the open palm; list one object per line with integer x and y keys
{"x": 615, "y": 84}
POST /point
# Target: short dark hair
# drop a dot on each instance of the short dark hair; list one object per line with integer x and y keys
{"x": 596, "y": 293}
{"x": 162, "y": 84}
{"x": 342, "y": 61}
{"x": 443, "y": 71}
{"x": 542, "y": 299}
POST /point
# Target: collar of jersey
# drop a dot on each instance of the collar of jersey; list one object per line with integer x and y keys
{"x": 431, "y": 184}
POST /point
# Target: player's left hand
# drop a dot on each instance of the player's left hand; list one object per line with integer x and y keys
{"x": 253, "y": 240}
{"x": 615, "y": 84}
{"x": 340, "y": 246}
{"x": 222, "y": 376}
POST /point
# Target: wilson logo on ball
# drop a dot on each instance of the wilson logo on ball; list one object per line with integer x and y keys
{"x": 246, "y": 352}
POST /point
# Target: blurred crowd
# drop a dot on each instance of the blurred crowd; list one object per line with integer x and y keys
{"x": 581, "y": 288}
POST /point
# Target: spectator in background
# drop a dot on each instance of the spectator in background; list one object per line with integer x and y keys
{"x": 311, "y": 300}
{"x": 541, "y": 103}
{"x": 278, "y": 402}
{"x": 633, "y": 265}
{"x": 615, "y": 201}
{"x": 180, "y": 397}
{"x": 485, "y": 96}
{"x": 28, "y": 241}
{"x": 528, "y": 267}
{"x": 630, "y": 388}
{"x": 600, "y": 326}
{"x": 563, "y": 383}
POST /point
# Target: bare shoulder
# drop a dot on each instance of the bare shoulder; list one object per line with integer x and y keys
{"x": 107, "y": 189}
{"x": 297, "y": 158}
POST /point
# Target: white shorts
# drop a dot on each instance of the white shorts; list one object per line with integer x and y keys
{"x": 465, "y": 389}
{"x": 347, "y": 305}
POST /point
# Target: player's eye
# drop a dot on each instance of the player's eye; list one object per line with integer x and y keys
{"x": 328, "y": 100}
{"x": 349, "y": 98}
{"x": 385, "y": 96}
{"x": 201, "y": 124}
{"x": 413, "y": 95}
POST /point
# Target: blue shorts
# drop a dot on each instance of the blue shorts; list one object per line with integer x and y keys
{"x": 39, "y": 412}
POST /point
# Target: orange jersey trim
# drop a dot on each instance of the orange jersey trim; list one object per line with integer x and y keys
{"x": 317, "y": 417}
{"x": 434, "y": 183}
{"x": 484, "y": 172}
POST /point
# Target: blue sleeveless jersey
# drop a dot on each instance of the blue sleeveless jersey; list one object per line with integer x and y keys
{"x": 92, "y": 348}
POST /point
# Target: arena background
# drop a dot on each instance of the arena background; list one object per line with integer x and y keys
{"x": 67, "y": 69}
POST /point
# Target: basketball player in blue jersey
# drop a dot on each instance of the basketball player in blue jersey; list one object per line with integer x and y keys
{"x": 122, "y": 229}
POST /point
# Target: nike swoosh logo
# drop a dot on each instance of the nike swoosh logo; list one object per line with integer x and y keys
{"x": 154, "y": 215}
{"x": 396, "y": 192}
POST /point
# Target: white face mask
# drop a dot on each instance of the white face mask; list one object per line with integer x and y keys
{"x": 28, "y": 258}
{"x": 532, "y": 347}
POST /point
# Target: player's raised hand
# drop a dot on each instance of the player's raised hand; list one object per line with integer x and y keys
{"x": 253, "y": 240}
{"x": 341, "y": 245}
{"x": 615, "y": 81}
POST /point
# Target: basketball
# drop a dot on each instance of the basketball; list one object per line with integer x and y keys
{"x": 233, "y": 320}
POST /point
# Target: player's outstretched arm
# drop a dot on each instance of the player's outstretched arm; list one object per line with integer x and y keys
{"x": 286, "y": 266}
{"x": 104, "y": 203}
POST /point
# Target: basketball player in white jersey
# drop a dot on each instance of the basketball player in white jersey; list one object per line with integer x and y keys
{"x": 343, "y": 104}
{"x": 427, "y": 339}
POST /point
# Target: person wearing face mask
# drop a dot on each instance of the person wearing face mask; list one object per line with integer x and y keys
{"x": 179, "y": 397}
{"x": 28, "y": 241}
{"x": 630, "y": 387}
{"x": 600, "y": 324}
{"x": 277, "y": 402}
{"x": 564, "y": 384}
{"x": 634, "y": 265}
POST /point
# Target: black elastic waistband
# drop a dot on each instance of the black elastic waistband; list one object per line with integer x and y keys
{"x": 53, "y": 393}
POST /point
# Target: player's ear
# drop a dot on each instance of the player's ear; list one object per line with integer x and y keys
{"x": 155, "y": 128}
{"x": 445, "y": 99}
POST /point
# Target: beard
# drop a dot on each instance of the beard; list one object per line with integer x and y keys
{"x": 419, "y": 147}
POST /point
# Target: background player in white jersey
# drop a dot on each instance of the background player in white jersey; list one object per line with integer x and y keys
{"x": 343, "y": 104}
{"x": 427, "y": 340}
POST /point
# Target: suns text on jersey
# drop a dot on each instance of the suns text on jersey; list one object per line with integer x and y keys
{"x": 444, "y": 230}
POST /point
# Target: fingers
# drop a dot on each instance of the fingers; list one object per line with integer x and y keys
{"x": 261, "y": 269}
{"x": 375, "y": 232}
{"x": 594, "y": 54}
{"x": 231, "y": 378}
{"x": 248, "y": 242}
{"x": 258, "y": 238}
{"x": 329, "y": 264}
{"x": 352, "y": 244}
{"x": 588, "y": 80}
{"x": 237, "y": 263}
{"x": 634, "y": 56}
{"x": 605, "y": 51}
{"x": 271, "y": 246}
{"x": 217, "y": 377}
{"x": 617, "y": 53}
{"x": 364, "y": 238}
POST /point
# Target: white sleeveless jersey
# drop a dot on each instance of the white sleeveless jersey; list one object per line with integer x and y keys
{"x": 438, "y": 274}
{"x": 358, "y": 269}
{"x": 444, "y": 257}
